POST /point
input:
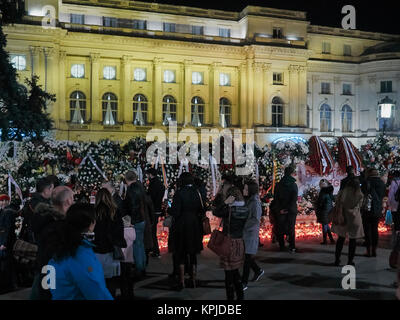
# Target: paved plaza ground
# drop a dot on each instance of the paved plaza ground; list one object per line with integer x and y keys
{"x": 307, "y": 275}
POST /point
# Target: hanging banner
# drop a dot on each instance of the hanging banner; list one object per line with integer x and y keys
{"x": 17, "y": 188}
{"x": 348, "y": 155}
{"x": 320, "y": 157}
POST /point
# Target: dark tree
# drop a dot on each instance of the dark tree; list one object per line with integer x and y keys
{"x": 21, "y": 114}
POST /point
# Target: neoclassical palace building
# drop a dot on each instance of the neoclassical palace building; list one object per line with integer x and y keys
{"x": 119, "y": 68}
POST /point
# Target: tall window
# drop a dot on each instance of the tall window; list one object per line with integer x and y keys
{"x": 347, "y": 115}
{"x": 197, "y": 111}
{"x": 390, "y": 123}
{"x": 346, "y": 89}
{"x": 18, "y": 62}
{"x": 278, "y": 78}
{"x": 110, "y": 22}
{"x": 325, "y": 118}
{"x": 225, "y": 112}
{"x": 198, "y": 30}
{"x": 325, "y": 88}
{"x": 77, "y": 18}
{"x": 386, "y": 86}
{"x": 77, "y": 107}
{"x": 139, "y": 110}
{"x": 277, "y": 112}
{"x": 347, "y": 50}
{"x": 223, "y": 32}
{"x": 277, "y": 33}
{"x": 169, "y": 109}
{"x": 139, "y": 24}
{"x": 326, "y": 47}
{"x": 110, "y": 107}
{"x": 169, "y": 27}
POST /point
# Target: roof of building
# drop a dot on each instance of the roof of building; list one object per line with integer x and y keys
{"x": 386, "y": 47}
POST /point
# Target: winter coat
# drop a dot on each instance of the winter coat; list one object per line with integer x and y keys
{"x": 149, "y": 219}
{"x": 7, "y": 230}
{"x": 108, "y": 233}
{"x": 187, "y": 213}
{"x": 324, "y": 204}
{"x": 351, "y": 203}
{"x": 252, "y": 226}
{"x": 239, "y": 213}
{"x": 27, "y": 233}
{"x": 285, "y": 195}
{"x": 44, "y": 222}
{"x": 344, "y": 181}
{"x": 80, "y": 277}
{"x": 393, "y": 204}
{"x": 156, "y": 192}
{"x": 376, "y": 188}
{"x": 132, "y": 203}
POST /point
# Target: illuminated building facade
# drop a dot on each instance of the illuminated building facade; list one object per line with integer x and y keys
{"x": 119, "y": 68}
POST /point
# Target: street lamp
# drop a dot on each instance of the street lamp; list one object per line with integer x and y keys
{"x": 386, "y": 105}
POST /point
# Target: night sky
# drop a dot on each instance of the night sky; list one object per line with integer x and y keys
{"x": 376, "y": 16}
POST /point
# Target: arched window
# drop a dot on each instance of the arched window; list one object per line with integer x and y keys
{"x": 77, "y": 106}
{"x": 110, "y": 108}
{"x": 325, "y": 118}
{"x": 197, "y": 112}
{"x": 277, "y": 112}
{"x": 169, "y": 109}
{"x": 347, "y": 116}
{"x": 225, "y": 112}
{"x": 139, "y": 110}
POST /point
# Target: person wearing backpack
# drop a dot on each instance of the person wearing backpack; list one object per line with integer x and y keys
{"x": 394, "y": 199}
{"x": 374, "y": 191}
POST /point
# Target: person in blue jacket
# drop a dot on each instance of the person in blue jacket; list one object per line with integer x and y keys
{"x": 78, "y": 273}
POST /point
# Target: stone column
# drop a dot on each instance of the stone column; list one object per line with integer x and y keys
{"x": 372, "y": 103}
{"x": 267, "y": 112}
{"x": 356, "y": 112}
{"x": 96, "y": 110}
{"x": 187, "y": 94}
{"x": 243, "y": 95}
{"x": 63, "y": 112}
{"x": 36, "y": 68}
{"x": 235, "y": 102}
{"x": 258, "y": 97}
{"x": 157, "y": 92}
{"x": 126, "y": 108}
{"x": 250, "y": 90}
{"x": 292, "y": 113}
{"x": 214, "y": 93}
{"x": 51, "y": 81}
{"x": 302, "y": 96}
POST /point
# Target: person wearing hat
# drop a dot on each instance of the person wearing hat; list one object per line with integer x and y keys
{"x": 323, "y": 207}
{"x": 374, "y": 190}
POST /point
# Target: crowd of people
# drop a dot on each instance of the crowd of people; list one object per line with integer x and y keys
{"x": 100, "y": 247}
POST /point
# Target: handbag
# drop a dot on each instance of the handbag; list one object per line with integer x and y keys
{"x": 206, "y": 220}
{"x": 118, "y": 254}
{"x": 167, "y": 222}
{"x": 24, "y": 252}
{"x": 336, "y": 213}
{"x": 220, "y": 243}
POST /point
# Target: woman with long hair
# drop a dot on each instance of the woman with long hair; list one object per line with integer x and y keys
{"x": 251, "y": 232}
{"x": 78, "y": 273}
{"x": 109, "y": 233}
{"x": 187, "y": 212}
{"x": 349, "y": 201}
{"x": 234, "y": 213}
{"x": 323, "y": 207}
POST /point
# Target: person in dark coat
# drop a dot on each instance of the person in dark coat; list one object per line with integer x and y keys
{"x": 134, "y": 206}
{"x": 285, "y": 196}
{"x": 156, "y": 191}
{"x": 44, "y": 189}
{"x": 8, "y": 214}
{"x": 109, "y": 233}
{"x": 188, "y": 213}
{"x": 234, "y": 214}
{"x": 350, "y": 176}
{"x": 374, "y": 190}
{"x": 44, "y": 222}
{"x": 323, "y": 207}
